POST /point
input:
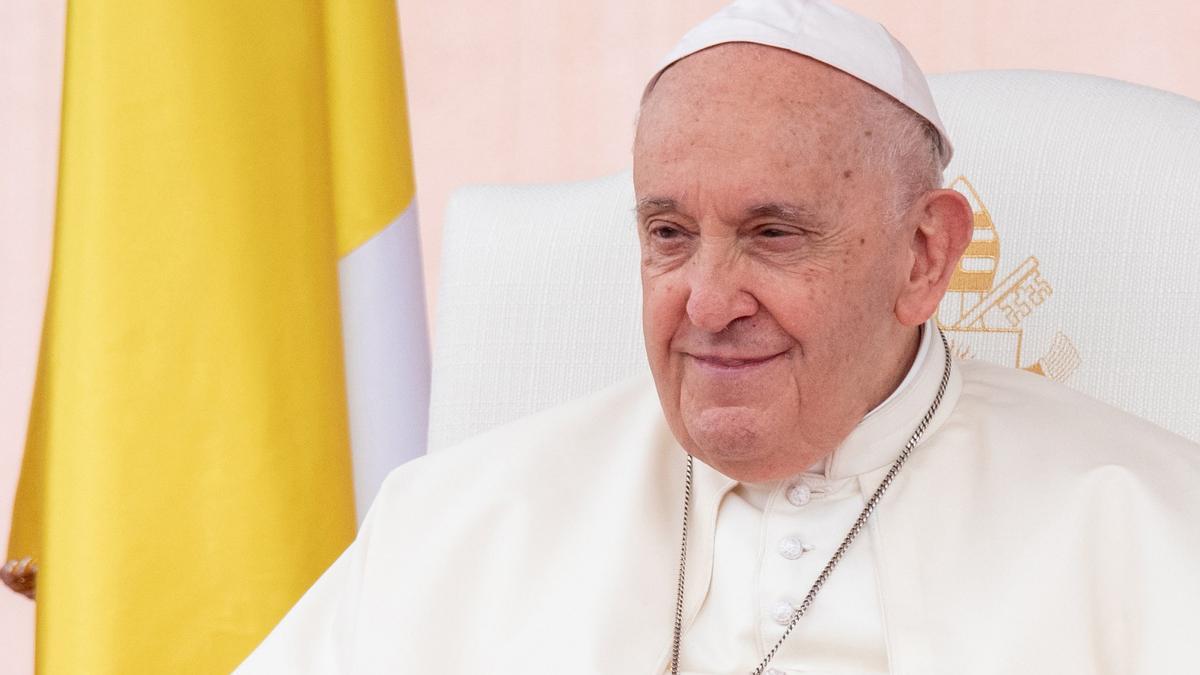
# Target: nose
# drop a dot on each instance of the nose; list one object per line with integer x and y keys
{"x": 717, "y": 295}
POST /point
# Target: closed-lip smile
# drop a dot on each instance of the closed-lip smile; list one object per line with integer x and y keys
{"x": 730, "y": 362}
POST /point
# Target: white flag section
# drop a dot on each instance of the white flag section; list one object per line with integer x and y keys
{"x": 387, "y": 353}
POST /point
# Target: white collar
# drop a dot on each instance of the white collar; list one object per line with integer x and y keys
{"x": 877, "y": 440}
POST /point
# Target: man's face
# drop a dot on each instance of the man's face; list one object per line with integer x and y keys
{"x": 770, "y": 271}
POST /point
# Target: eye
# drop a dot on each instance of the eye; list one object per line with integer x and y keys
{"x": 776, "y": 232}
{"x": 667, "y": 241}
{"x": 665, "y": 231}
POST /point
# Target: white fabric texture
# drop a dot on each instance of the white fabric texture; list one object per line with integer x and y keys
{"x": 1034, "y": 530}
{"x": 539, "y": 302}
{"x": 1094, "y": 179}
{"x": 386, "y": 352}
{"x": 828, "y": 33}
{"x": 766, "y": 551}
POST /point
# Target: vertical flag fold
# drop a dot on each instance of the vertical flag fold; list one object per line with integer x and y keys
{"x": 188, "y": 470}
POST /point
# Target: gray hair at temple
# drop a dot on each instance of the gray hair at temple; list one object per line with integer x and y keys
{"x": 911, "y": 149}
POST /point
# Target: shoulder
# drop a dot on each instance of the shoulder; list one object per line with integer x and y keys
{"x": 1047, "y": 407}
{"x": 542, "y": 452}
{"x": 1059, "y": 430}
{"x": 1022, "y": 457}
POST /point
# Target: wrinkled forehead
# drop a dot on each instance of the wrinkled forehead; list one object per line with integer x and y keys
{"x": 741, "y": 100}
{"x": 753, "y": 65}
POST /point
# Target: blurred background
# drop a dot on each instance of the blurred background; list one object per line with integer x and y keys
{"x": 520, "y": 91}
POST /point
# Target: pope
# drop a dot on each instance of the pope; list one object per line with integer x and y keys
{"x": 809, "y": 482}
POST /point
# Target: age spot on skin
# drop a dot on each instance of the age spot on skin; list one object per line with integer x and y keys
{"x": 847, "y": 173}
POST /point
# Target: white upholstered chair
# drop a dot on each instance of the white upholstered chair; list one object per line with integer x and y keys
{"x": 1085, "y": 264}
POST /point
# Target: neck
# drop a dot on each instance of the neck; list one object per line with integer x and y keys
{"x": 897, "y": 366}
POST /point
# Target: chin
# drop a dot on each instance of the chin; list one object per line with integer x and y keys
{"x": 747, "y": 468}
{"x": 731, "y": 440}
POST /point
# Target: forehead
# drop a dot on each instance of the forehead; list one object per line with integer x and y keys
{"x": 745, "y": 117}
{"x": 762, "y": 73}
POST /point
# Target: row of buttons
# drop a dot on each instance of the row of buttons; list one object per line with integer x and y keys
{"x": 798, "y": 494}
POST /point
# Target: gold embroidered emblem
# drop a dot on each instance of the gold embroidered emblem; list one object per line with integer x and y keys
{"x": 982, "y": 317}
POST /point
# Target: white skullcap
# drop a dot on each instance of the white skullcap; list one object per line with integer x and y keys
{"x": 828, "y": 33}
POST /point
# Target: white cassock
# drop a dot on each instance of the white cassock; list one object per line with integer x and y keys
{"x": 1034, "y": 530}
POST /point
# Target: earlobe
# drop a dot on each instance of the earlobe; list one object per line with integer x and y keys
{"x": 941, "y": 233}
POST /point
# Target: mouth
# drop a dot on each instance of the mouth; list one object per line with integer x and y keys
{"x": 729, "y": 364}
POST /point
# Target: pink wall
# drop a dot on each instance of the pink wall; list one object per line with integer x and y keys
{"x": 545, "y": 90}
{"x": 531, "y": 90}
{"x": 30, "y": 63}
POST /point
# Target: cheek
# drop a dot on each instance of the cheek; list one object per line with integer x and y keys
{"x": 663, "y": 306}
{"x": 831, "y": 313}
{"x": 819, "y": 309}
{"x": 874, "y": 285}
{"x": 800, "y": 301}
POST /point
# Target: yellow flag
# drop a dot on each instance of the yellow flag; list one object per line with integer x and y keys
{"x": 188, "y": 473}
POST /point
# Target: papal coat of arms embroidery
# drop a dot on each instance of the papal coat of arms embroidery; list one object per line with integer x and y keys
{"x": 982, "y": 316}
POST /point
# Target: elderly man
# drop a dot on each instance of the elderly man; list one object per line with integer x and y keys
{"x": 812, "y": 484}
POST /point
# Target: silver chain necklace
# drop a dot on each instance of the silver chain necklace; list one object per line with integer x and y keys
{"x": 857, "y": 527}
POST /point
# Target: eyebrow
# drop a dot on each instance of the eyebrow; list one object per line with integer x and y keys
{"x": 785, "y": 211}
{"x": 656, "y": 205}
{"x": 793, "y": 213}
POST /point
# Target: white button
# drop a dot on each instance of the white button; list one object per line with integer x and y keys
{"x": 792, "y": 548}
{"x": 782, "y": 612}
{"x": 799, "y": 494}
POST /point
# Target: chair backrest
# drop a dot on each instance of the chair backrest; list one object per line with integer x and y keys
{"x": 1085, "y": 264}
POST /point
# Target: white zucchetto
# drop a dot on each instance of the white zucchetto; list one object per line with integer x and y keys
{"x": 828, "y": 33}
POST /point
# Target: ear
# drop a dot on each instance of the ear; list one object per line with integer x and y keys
{"x": 941, "y": 223}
